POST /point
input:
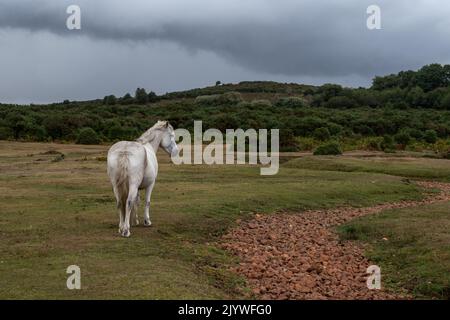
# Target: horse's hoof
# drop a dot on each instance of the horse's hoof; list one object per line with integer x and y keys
{"x": 147, "y": 223}
{"x": 126, "y": 233}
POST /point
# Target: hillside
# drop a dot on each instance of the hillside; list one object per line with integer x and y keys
{"x": 409, "y": 110}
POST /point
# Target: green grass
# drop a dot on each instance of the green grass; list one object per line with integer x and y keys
{"x": 416, "y": 254}
{"x": 55, "y": 214}
{"x": 422, "y": 168}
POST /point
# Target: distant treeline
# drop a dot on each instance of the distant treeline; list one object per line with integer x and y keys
{"x": 408, "y": 107}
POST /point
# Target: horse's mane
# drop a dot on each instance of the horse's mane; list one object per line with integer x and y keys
{"x": 150, "y": 134}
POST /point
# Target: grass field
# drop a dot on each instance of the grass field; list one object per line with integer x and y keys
{"x": 416, "y": 254}
{"x": 57, "y": 211}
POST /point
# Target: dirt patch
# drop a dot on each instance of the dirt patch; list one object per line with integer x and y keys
{"x": 299, "y": 256}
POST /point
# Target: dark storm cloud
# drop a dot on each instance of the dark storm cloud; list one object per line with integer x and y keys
{"x": 286, "y": 39}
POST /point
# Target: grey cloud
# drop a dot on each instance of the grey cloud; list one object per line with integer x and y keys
{"x": 283, "y": 37}
{"x": 176, "y": 44}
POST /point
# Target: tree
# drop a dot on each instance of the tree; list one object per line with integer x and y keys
{"x": 416, "y": 97}
{"x": 402, "y": 138}
{"x": 152, "y": 97}
{"x": 16, "y": 121}
{"x": 110, "y": 100}
{"x": 218, "y": 83}
{"x": 340, "y": 103}
{"x": 329, "y": 91}
{"x": 430, "y": 136}
{"x": 6, "y": 133}
{"x": 322, "y": 134}
{"x": 127, "y": 99}
{"x": 433, "y": 76}
{"x": 386, "y": 82}
{"x": 387, "y": 145}
{"x": 141, "y": 96}
{"x": 88, "y": 136}
{"x": 445, "y": 102}
{"x": 407, "y": 79}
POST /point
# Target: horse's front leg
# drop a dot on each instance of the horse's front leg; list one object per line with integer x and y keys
{"x": 148, "y": 194}
{"x": 136, "y": 209}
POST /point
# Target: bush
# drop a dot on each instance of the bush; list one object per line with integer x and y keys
{"x": 387, "y": 145}
{"x": 306, "y": 143}
{"x": 262, "y": 103}
{"x": 88, "y": 136}
{"x": 110, "y": 100}
{"x": 288, "y": 143}
{"x": 402, "y": 138}
{"x": 416, "y": 134}
{"x": 6, "y": 133}
{"x": 330, "y": 148}
{"x": 291, "y": 102}
{"x": 445, "y": 102}
{"x": 430, "y": 136}
{"x": 340, "y": 103}
{"x": 334, "y": 129}
{"x": 229, "y": 98}
{"x": 372, "y": 144}
{"x": 322, "y": 134}
{"x": 152, "y": 97}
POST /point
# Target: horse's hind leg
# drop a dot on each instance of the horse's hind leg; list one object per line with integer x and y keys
{"x": 136, "y": 209}
{"x": 120, "y": 209}
{"x": 132, "y": 194}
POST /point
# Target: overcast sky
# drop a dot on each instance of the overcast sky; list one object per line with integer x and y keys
{"x": 168, "y": 45}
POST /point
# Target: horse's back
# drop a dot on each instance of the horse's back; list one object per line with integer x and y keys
{"x": 131, "y": 153}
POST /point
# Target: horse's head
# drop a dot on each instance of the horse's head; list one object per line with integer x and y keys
{"x": 168, "y": 139}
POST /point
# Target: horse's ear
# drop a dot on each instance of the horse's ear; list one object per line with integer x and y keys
{"x": 167, "y": 124}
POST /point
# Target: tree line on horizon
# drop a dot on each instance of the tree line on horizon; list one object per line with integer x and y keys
{"x": 398, "y": 109}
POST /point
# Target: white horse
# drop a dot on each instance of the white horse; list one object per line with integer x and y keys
{"x": 132, "y": 165}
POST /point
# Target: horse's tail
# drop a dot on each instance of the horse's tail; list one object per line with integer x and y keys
{"x": 122, "y": 183}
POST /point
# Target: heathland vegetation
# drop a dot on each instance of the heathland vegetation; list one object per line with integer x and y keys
{"x": 409, "y": 110}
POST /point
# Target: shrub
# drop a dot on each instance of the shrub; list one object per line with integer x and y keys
{"x": 330, "y": 148}
{"x": 430, "y": 136}
{"x": 416, "y": 134}
{"x": 288, "y": 143}
{"x": 306, "y": 143}
{"x": 322, "y": 134}
{"x": 35, "y": 132}
{"x": 340, "y": 103}
{"x": 127, "y": 99}
{"x": 88, "y": 136}
{"x": 402, "y": 138}
{"x": 6, "y": 133}
{"x": 229, "y": 98}
{"x": 372, "y": 144}
{"x": 152, "y": 97}
{"x": 334, "y": 129}
{"x": 262, "y": 103}
{"x": 110, "y": 100}
{"x": 387, "y": 145}
{"x": 291, "y": 102}
{"x": 445, "y": 102}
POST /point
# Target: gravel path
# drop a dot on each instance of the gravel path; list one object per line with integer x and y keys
{"x": 299, "y": 256}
